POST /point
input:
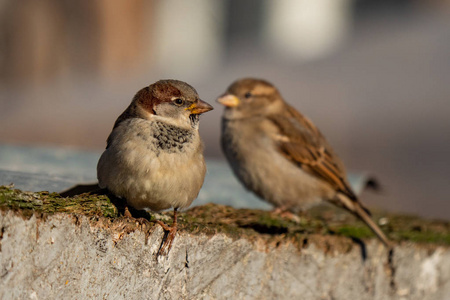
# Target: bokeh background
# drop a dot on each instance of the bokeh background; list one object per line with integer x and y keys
{"x": 373, "y": 75}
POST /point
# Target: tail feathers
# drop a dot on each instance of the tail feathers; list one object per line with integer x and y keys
{"x": 357, "y": 209}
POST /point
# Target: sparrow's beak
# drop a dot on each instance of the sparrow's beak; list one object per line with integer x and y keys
{"x": 228, "y": 100}
{"x": 200, "y": 107}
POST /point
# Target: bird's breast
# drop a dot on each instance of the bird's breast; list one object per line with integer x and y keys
{"x": 153, "y": 165}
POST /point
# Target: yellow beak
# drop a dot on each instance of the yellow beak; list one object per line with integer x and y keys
{"x": 228, "y": 100}
{"x": 200, "y": 107}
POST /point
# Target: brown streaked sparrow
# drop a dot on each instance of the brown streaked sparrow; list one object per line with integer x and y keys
{"x": 154, "y": 154}
{"x": 280, "y": 155}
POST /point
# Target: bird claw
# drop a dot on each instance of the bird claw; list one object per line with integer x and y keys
{"x": 169, "y": 236}
{"x": 163, "y": 225}
{"x": 285, "y": 214}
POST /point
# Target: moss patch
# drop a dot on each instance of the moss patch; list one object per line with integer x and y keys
{"x": 49, "y": 203}
{"x": 322, "y": 225}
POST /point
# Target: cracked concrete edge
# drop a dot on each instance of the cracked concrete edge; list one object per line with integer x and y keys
{"x": 72, "y": 258}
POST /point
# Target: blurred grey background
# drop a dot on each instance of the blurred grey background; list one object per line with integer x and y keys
{"x": 373, "y": 75}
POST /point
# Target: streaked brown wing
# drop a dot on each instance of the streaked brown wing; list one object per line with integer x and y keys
{"x": 302, "y": 143}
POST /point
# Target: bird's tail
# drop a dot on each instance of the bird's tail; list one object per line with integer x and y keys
{"x": 358, "y": 210}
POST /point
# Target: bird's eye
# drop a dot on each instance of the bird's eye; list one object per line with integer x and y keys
{"x": 248, "y": 95}
{"x": 178, "y": 101}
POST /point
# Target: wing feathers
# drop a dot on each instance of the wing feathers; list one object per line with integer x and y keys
{"x": 302, "y": 143}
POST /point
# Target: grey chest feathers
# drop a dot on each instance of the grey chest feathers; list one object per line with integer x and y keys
{"x": 167, "y": 138}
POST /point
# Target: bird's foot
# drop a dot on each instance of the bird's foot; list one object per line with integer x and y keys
{"x": 168, "y": 238}
{"x": 285, "y": 214}
{"x": 143, "y": 222}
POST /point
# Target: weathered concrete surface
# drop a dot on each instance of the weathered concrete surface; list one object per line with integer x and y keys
{"x": 68, "y": 257}
{"x": 80, "y": 248}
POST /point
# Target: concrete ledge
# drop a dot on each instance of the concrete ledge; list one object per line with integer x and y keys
{"x": 80, "y": 256}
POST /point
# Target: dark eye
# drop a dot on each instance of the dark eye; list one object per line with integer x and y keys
{"x": 248, "y": 95}
{"x": 178, "y": 101}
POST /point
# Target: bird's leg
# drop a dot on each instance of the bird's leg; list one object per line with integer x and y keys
{"x": 169, "y": 236}
{"x": 127, "y": 212}
{"x": 286, "y": 214}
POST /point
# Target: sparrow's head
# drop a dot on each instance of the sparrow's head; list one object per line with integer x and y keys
{"x": 172, "y": 99}
{"x": 250, "y": 97}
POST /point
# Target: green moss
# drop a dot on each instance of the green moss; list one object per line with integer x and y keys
{"x": 43, "y": 202}
{"x": 403, "y": 228}
{"x": 355, "y": 232}
{"x": 422, "y": 237}
{"x": 271, "y": 221}
{"x": 210, "y": 219}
